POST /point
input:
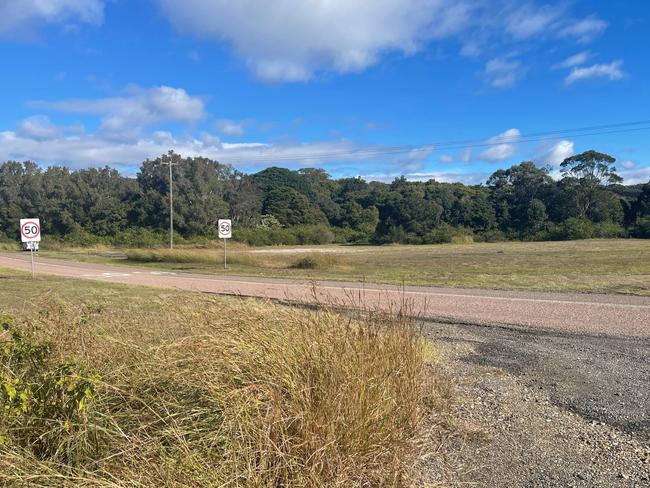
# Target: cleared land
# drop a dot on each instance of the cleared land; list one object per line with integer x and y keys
{"x": 595, "y": 266}
{"x": 109, "y": 385}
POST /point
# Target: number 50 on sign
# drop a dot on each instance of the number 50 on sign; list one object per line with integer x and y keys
{"x": 225, "y": 228}
{"x": 30, "y": 230}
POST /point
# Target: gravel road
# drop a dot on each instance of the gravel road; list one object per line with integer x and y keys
{"x": 617, "y": 315}
{"x": 544, "y": 409}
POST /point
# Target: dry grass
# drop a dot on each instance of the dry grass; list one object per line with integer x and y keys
{"x": 597, "y": 265}
{"x": 208, "y": 256}
{"x": 200, "y": 391}
{"x": 239, "y": 257}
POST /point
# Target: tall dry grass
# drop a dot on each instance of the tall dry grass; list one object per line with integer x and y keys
{"x": 238, "y": 256}
{"x": 210, "y": 256}
{"x": 198, "y": 391}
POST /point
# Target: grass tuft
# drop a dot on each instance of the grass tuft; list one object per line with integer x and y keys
{"x": 314, "y": 260}
{"x": 190, "y": 390}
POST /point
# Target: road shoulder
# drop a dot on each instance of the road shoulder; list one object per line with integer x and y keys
{"x": 514, "y": 432}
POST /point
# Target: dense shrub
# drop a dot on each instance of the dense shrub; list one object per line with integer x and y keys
{"x": 493, "y": 235}
{"x": 608, "y": 230}
{"x": 142, "y": 237}
{"x": 447, "y": 234}
{"x": 575, "y": 228}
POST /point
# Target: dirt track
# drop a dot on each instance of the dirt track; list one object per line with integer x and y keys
{"x": 616, "y": 315}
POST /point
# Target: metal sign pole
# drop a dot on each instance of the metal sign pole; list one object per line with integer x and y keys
{"x": 31, "y": 252}
{"x": 225, "y": 253}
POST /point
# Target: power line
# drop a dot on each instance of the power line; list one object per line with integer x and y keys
{"x": 623, "y": 127}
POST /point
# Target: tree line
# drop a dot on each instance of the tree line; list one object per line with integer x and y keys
{"x": 279, "y": 205}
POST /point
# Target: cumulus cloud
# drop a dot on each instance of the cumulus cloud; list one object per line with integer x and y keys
{"x": 295, "y": 40}
{"x": 502, "y": 146}
{"x": 575, "y": 60}
{"x": 636, "y": 175}
{"x": 503, "y": 72}
{"x": 39, "y": 127}
{"x": 125, "y": 116}
{"x": 557, "y": 153}
{"x": 612, "y": 71}
{"x": 20, "y": 19}
{"x": 50, "y": 144}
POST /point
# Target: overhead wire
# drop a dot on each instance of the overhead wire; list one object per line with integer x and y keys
{"x": 622, "y": 127}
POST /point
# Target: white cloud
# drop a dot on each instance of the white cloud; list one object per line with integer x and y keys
{"x": 502, "y": 146}
{"x": 20, "y": 18}
{"x": 61, "y": 145}
{"x": 285, "y": 40}
{"x": 635, "y": 176}
{"x": 465, "y": 156}
{"x": 584, "y": 30}
{"x": 503, "y": 72}
{"x": 230, "y": 127}
{"x": 530, "y": 20}
{"x": 299, "y": 39}
{"x": 472, "y": 178}
{"x": 557, "y": 153}
{"x": 39, "y": 127}
{"x": 125, "y": 116}
{"x": 628, "y": 164}
{"x": 612, "y": 71}
{"x": 414, "y": 159}
{"x": 575, "y": 60}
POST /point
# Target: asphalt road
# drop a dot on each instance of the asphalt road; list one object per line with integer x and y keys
{"x": 592, "y": 314}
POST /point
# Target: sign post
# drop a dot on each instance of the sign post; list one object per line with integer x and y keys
{"x": 30, "y": 233}
{"x": 225, "y": 233}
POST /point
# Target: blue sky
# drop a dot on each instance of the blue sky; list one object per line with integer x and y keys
{"x": 377, "y": 89}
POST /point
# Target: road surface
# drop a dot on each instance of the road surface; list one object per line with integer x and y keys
{"x": 612, "y": 315}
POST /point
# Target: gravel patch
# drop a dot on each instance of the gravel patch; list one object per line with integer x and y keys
{"x": 542, "y": 409}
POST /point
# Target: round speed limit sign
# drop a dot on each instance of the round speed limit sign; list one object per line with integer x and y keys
{"x": 225, "y": 228}
{"x": 30, "y": 230}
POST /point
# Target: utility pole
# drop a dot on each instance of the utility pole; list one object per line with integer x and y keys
{"x": 171, "y": 198}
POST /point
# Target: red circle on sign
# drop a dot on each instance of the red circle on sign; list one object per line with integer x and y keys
{"x": 22, "y": 233}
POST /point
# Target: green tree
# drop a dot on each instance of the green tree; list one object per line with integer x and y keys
{"x": 518, "y": 195}
{"x": 200, "y": 189}
{"x": 591, "y": 171}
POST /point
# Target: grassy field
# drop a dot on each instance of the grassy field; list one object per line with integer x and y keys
{"x": 605, "y": 266}
{"x": 109, "y": 386}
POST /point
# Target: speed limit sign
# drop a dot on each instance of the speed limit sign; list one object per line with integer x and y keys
{"x": 30, "y": 230}
{"x": 225, "y": 228}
